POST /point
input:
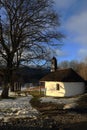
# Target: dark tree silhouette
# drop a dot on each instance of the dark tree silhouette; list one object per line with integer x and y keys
{"x": 27, "y": 28}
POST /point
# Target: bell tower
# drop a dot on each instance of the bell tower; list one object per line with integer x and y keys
{"x": 53, "y": 64}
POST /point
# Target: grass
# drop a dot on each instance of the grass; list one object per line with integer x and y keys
{"x": 50, "y": 107}
{"x": 8, "y": 98}
{"x": 44, "y": 108}
{"x": 36, "y": 93}
{"x": 82, "y": 102}
{"x": 35, "y": 101}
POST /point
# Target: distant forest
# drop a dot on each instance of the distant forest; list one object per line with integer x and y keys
{"x": 34, "y": 74}
{"x": 26, "y": 74}
{"x": 79, "y": 67}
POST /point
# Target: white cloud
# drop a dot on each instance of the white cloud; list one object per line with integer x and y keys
{"x": 77, "y": 25}
{"x": 82, "y": 39}
{"x": 64, "y": 4}
{"x": 74, "y": 25}
{"x": 60, "y": 53}
{"x": 82, "y": 53}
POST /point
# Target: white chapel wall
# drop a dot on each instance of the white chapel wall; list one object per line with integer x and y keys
{"x": 66, "y": 88}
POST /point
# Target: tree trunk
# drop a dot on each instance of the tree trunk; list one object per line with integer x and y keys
{"x": 5, "y": 91}
{"x": 6, "y": 85}
{"x": 7, "y": 78}
{"x": 12, "y": 86}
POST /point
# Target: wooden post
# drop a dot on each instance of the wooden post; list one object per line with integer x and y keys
{"x": 40, "y": 90}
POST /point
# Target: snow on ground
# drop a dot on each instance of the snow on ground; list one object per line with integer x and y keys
{"x": 68, "y": 102}
{"x": 17, "y": 108}
{"x": 21, "y": 107}
{"x": 59, "y": 100}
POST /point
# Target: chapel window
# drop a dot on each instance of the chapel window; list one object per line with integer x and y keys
{"x": 57, "y": 87}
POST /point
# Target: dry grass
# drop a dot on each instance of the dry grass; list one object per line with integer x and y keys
{"x": 49, "y": 107}
{"x": 36, "y": 93}
{"x": 82, "y": 103}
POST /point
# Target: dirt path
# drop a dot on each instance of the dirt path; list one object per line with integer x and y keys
{"x": 54, "y": 112}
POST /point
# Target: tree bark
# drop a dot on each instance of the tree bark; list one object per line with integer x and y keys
{"x": 12, "y": 86}
{"x": 7, "y": 78}
{"x": 5, "y": 91}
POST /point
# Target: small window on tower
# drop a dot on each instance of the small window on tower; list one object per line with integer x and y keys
{"x": 57, "y": 87}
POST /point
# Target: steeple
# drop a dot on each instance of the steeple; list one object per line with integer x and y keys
{"x": 53, "y": 64}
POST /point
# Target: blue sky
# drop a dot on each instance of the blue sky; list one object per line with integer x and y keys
{"x": 74, "y": 26}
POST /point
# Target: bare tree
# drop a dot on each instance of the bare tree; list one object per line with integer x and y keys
{"x": 64, "y": 64}
{"x": 27, "y": 28}
{"x": 82, "y": 70}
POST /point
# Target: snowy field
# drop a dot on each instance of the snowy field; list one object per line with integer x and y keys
{"x": 21, "y": 107}
{"x": 17, "y": 108}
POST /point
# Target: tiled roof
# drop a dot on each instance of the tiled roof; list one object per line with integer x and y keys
{"x": 63, "y": 75}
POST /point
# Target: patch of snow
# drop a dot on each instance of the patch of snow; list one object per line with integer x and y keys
{"x": 70, "y": 106}
{"x": 17, "y": 108}
{"x": 58, "y": 100}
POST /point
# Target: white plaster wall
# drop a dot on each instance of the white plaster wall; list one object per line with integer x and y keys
{"x": 66, "y": 89}
{"x": 74, "y": 88}
{"x": 51, "y": 89}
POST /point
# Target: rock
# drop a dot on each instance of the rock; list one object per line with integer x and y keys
{"x": 6, "y": 119}
{"x": 14, "y": 110}
{"x": 69, "y": 106}
{"x": 18, "y": 112}
{"x": 1, "y": 119}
